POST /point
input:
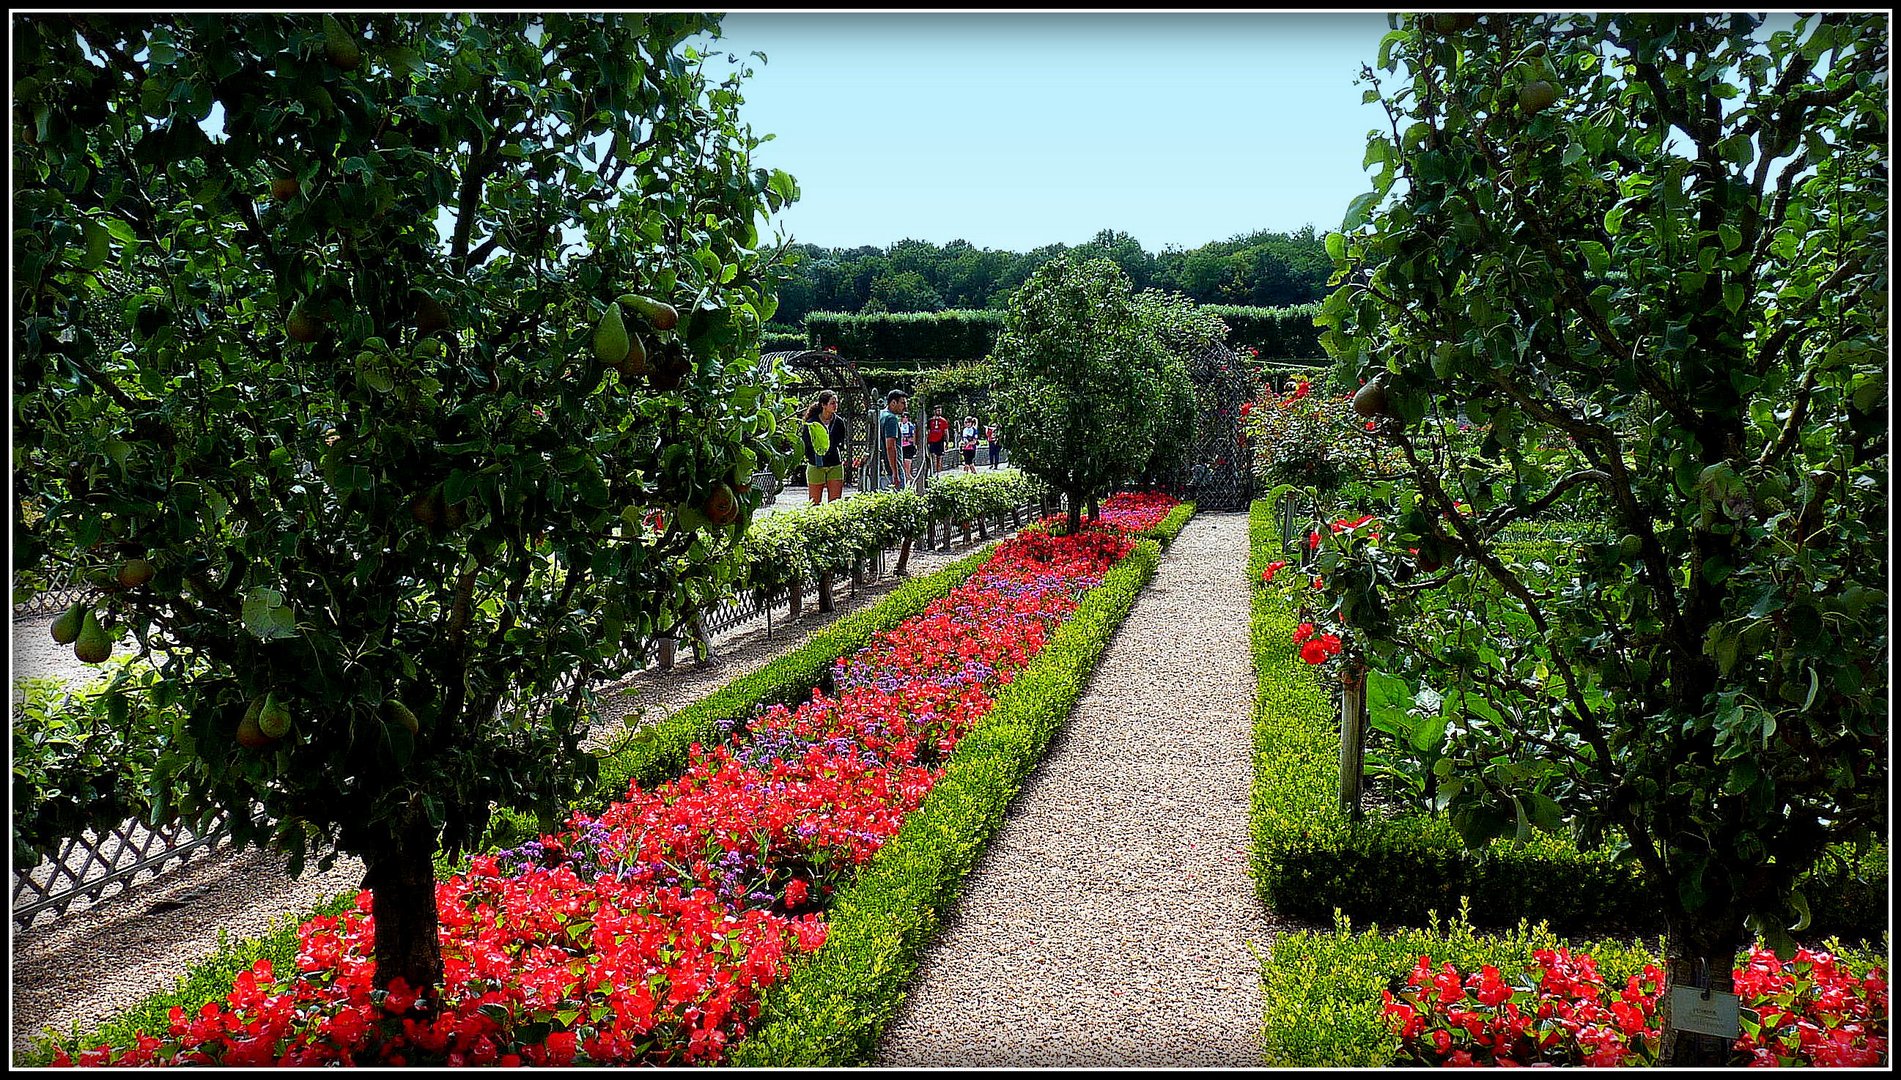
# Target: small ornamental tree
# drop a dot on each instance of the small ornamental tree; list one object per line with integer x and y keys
{"x": 395, "y": 375}
{"x": 1079, "y": 379}
{"x": 1646, "y": 254}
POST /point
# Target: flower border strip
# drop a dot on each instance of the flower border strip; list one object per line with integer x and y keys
{"x": 654, "y": 759}
{"x": 834, "y": 1007}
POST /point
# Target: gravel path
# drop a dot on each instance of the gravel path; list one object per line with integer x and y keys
{"x": 1109, "y": 922}
{"x": 100, "y": 958}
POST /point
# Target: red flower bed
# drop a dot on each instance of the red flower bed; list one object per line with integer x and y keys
{"x": 1129, "y": 511}
{"x": 1807, "y": 1012}
{"x": 646, "y": 935}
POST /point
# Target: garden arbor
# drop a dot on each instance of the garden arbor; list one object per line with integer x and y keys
{"x": 392, "y": 486}
{"x": 1221, "y": 463}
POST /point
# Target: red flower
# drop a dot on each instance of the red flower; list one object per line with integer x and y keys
{"x": 1303, "y": 632}
{"x": 1272, "y": 569}
{"x": 1314, "y": 652}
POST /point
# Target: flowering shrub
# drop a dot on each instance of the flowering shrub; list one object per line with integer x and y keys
{"x": 1808, "y": 1012}
{"x": 646, "y": 935}
{"x": 1296, "y": 437}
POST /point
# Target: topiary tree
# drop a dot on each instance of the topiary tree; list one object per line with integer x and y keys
{"x": 1647, "y": 253}
{"x": 350, "y": 454}
{"x": 1079, "y": 379}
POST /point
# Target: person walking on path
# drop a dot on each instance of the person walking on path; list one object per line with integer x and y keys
{"x": 823, "y": 435}
{"x": 907, "y": 440}
{"x": 967, "y": 442}
{"x": 991, "y": 438}
{"x": 889, "y": 454}
{"x": 1111, "y": 921}
{"x": 937, "y": 433}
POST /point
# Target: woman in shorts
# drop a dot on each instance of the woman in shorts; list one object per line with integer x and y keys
{"x": 823, "y": 436}
{"x": 907, "y": 445}
{"x": 967, "y": 442}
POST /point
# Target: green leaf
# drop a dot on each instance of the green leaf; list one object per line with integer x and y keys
{"x": 1358, "y": 209}
{"x": 260, "y": 612}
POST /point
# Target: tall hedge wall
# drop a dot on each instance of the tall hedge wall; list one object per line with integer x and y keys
{"x": 1285, "y": 333}
{"x": 891, "y": 339}
{"x": 938, "y": 335}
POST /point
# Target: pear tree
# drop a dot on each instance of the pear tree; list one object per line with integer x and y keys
{"x": 1646, "y": 256}
{"x": 394, "y": 377}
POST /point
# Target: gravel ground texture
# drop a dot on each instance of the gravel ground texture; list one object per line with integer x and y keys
{"x": 1110, "y": 921}
{"x": 100, "y": 958}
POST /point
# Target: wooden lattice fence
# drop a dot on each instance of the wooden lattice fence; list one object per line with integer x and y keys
{"x": 96, "y": 865}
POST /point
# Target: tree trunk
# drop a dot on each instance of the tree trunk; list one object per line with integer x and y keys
{"x": 795, "y": 596}
{"x": 904, "y": 556}
{"x": 1352, "y": 739}
{"x": 402, "y": 884}
{"x": 664, "y": 661}
{"x": 825, "y": 590}
{"x": 1075, "y": 510}
{"x": 1095, "y": 508}
{"x": 1691, "y": 945}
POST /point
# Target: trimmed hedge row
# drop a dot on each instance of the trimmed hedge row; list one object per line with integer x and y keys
{"x": 834, "y": 1006}
{"x": 961, "y": 496}
{"x": 771, "y": 341}
{"x": 1321, "y": 991}
{"x": 1167, "y": 529}
{"x": 958, "y": 334}
{"x": 800, "y": 544}
{"x": 1309, "y": 860}
{"x": 1282, "y": 333}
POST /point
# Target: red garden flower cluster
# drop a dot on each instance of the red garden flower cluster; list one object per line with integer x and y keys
{"x": 1809, "y": 1011}
{"x": 1316, "y": 648}
{"x": 647, "y": 935}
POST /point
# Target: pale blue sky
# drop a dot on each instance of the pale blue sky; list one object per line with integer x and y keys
{"x": 1015, "y": 130}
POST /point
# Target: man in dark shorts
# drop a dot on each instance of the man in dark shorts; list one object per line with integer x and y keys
{"x": 937, "y": 433}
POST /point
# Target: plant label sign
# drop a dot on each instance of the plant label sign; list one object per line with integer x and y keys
{"x": 1715, "y": 1015}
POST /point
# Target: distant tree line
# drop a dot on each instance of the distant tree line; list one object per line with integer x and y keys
{"x": 1258, "y": 269}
